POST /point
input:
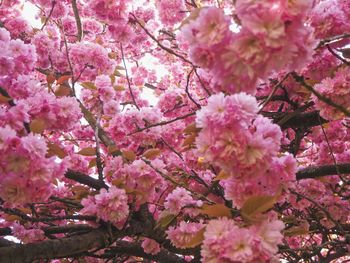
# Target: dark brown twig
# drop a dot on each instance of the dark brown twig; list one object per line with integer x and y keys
{"x": 169, "y": 50}
{"x": 337, "y": 56}
{"x": 53, "y": 3}
{"x": 187, "y": 91}
{"x": 127, "y": 78}
{"x": 163, "y": 123}
{"x": 77, "y": 20}
{"x": 301, "y": 80}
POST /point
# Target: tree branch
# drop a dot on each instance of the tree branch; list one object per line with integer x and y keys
{"x": 77, "y": 19}
{"x": 135, "y": 249}
{"x": 85, "y": 179}
{"x": 128, "y": 79}
{"x": 301, "y": 80}
{"x": 300, "y": 120}
{"x": 53, "y": 3}
{"x": 319, "y": 171}
{"x": 57, "y": 248}
{"x": 163, "y": 123}
{"x": 169, "y": 50}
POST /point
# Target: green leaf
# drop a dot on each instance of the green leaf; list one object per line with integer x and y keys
{"x": 89, "y": 151}
{"x": 165, "y": 221}
{"x": 216, "y": 210}
{"x": 197, "y": 239}
{"x": 255, "y": 205}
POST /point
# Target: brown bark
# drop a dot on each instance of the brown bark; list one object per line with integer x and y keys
{"x": 318, "y": 171}
{"x": 57, "y": 248}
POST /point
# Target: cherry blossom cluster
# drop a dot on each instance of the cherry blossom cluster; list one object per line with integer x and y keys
{"x": 336, "y": 89}
{"x": 178, "y": 199}
{"x": 137, "y": 177}
{"x": 114, "y": 13}
{"x": 133, "y": 120}
{"x": 322, "y": 195}
{"x": 26, "y": 175}
{"x": 109, "y": 205}
{"x": 170, "y": 12}
{"x": 150, "y": 246}
{"x": 330, "y": 18}
{"x": 88, "y": 59}
{"x": 225, "y": 241}
{"x": 244, "y": 145}
{"x": 16, "y": 58}
{"x": 271, "y": 36}
{"x": 182, "y": 235}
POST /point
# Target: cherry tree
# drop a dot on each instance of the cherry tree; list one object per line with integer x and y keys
{"x": 175, "y": 131}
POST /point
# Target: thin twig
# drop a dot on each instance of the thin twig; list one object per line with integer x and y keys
{"x": 45, "y": 219}
{"x": 68, "y": 59}
{"x": 201, "y": 82}
{"x": 53, "y": 3}
{"x": 172, "y": 149}
{"x": 187, "y": 91}
{"x": 331, "y": 151}
{"x": 174, "y": 182}
{"x": 300, "y": 79}
{"x": 127, "y": 78}
{"x": 274, "y": 89}
{"x": 98, "y": 154}
{"x": 332, "y": 39}
{"x": 320, "y": 207}
{"x": 169, "y": 50}
{"x": 163, "y": 123}
{"x": 337, "y": 56}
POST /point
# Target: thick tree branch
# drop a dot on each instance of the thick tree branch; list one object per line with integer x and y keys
{"x": 135, "y": 249}
{"x": 24, "y": 216}
{"x": 57, "y": 248}
{"x": 67, "y": 229}
{"x": 105, "y": 139}
{"x": 319, "y": 171}
{"x": 300, "y": 120}
{"x": 77, "y": 19}
{"x": 5, "y": 231}
{"x": 85, "y": 179}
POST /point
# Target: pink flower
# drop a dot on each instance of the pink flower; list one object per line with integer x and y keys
{"x": 182, "y": 235}
{"x": 29, "y": 235}
{"x": 90, "y": 60}
{"x": 218, "y": 142}
{"x": 150, "y": 246}
{"x": 328, "y": 19}
{"x": 210, "y": 27}
{"x": 104, "y": 87}
{"x": 270, "y": 236}
{"x": 337, "y": 90}
{"x": 225, "y": 242}
{"x": 178, "y": 199}
{"x": 26, "y": 175}
{"x": 109, "y": 205}
{"x": 170, "y": 11}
